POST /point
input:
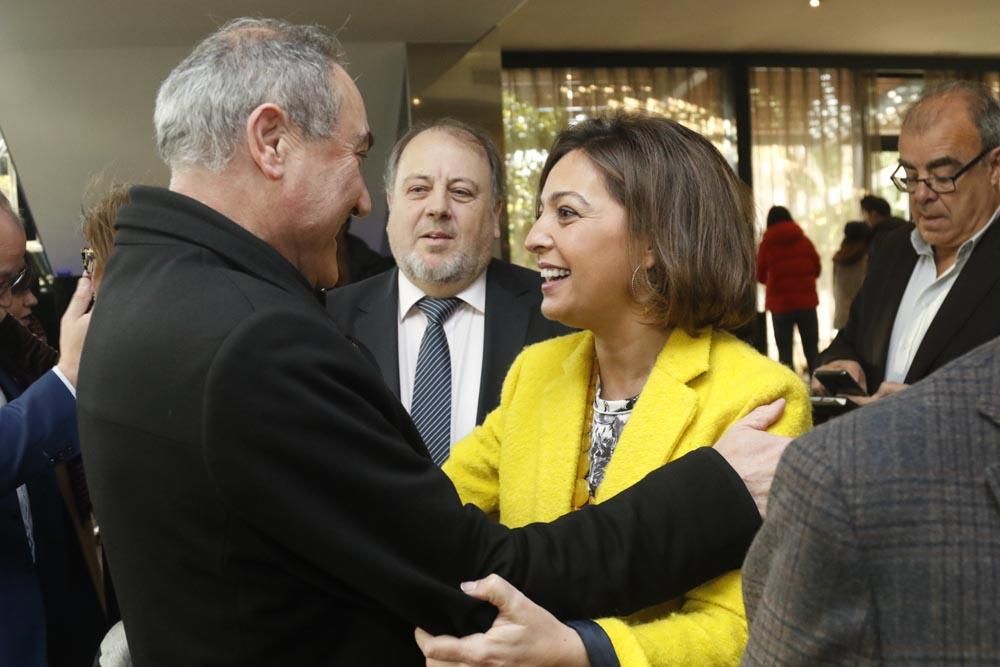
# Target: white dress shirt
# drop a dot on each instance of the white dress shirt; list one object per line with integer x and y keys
{"x": 465, "y": 333}
{"x": 921, "y": 301}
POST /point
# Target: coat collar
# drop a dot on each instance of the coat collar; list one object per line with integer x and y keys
{"x": 971, "y": 287}
{"x": 378, "y": 326}
{"x": 662, "y": 414}
{"x": 157, "y": 215}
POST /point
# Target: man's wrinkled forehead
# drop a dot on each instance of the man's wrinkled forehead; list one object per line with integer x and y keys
{"x": 425, "y": 142}
{"x": 940, "y": 132}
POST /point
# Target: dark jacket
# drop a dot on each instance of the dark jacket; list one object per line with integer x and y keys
{"x": 880, "y": 231}
{"x": 368, "y": 311}
{"x": 265, "y": 499}
{"x": 788, "y": 266}
{"x": 968, "y": 317}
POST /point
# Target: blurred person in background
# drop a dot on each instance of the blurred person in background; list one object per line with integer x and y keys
{"x": 788, "y": 266}
{"x": 877, "y": 214}
{"x": 849, "y": 265}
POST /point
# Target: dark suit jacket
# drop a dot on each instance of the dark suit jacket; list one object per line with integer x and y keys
{"x": 367, "y": 311}
{"x": 882, "y": 539}
{"x": 46, "y": 617}
{"x": 968, "y": 317}
{"x": 265, "y": 499}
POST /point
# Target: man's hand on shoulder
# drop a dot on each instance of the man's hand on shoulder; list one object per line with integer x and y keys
{"x": 753, "y": 452}
{"x": 73, "y": 330}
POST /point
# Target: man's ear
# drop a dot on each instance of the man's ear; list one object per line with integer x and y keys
{"x": 388, "y": 199}
{"x": 497, "y": 209}
{"x": 994, "y": 165}
{"x": 267, "y": 138}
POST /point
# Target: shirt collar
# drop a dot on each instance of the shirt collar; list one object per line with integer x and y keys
{"x": 474, "y": 295}
{"x": 923, "y": 248}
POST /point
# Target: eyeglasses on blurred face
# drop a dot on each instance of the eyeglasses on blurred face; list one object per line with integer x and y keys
{"x": 13, "y": 283}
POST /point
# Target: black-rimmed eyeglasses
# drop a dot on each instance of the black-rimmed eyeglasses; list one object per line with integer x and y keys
{"x": 934, "y": 183}
{"x": 14, "y": 282}
{"x": 87, "y": 258}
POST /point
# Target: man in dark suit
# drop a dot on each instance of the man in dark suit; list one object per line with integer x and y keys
{"x": 264, "y": 497}
{"x": 882, "y": 541}
{"x": 931, "y": 294}
{"x": 445, "y": 186}
{"x": 49, "y": 614}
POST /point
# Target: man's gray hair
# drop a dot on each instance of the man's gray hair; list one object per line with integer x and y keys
{"x": 983, "y": 107}
{"x": 460, "y": 130}
{"x": 203, "y": 105}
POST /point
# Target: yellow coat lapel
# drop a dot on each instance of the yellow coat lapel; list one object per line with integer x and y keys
{"x": 563, "y": 408}
{"x": 663, "y": 412}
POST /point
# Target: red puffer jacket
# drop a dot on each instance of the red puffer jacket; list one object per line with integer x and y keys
{"x": 788, "y": 266}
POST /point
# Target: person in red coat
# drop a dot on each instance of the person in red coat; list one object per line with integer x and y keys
{"x": 788, "y": 266}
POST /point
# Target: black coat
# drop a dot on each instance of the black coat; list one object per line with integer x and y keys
{"x": 367, "y": 311}
{"x": 969, "y": 316}
{"x": 265, "y": 499}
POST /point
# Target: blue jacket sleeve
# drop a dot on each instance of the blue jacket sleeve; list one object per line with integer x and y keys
{"x": 37, "y": 429}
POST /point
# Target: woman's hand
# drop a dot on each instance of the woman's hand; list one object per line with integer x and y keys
{"x": 522, "y": 634}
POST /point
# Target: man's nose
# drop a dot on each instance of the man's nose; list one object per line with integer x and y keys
{"x": 364, "y": 205}
{"x": 437, "y": 203}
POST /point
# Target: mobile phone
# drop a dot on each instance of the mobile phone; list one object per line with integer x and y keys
{"x": 825, "y": 408}
{"x": 839, "y": 383}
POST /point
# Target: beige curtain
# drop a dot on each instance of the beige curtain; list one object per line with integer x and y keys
{"x": 538, "y": 103}
{"x": 807, "y": 155}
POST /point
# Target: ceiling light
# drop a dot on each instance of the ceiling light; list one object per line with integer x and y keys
{"x": 814, "y": 3}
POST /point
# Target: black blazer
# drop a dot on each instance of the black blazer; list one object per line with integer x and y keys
{"x": 265, "y": 499}
{"x": 367, "y": 311}
{"x": 969, "y": 316}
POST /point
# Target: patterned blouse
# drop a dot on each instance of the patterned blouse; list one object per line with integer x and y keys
{"x": 606, "y": 428}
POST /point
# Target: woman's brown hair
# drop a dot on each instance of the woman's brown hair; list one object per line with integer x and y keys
{"x": 98, "y": 227}
{"x": 685, "y": 204}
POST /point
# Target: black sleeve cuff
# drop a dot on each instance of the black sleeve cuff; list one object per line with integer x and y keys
{"x": 595, "y": 640}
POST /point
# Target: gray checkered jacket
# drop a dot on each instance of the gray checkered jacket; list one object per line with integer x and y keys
{"x": 882, "y": 541}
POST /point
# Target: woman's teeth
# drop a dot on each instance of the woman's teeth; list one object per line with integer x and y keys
{"x": 554, "y": 274}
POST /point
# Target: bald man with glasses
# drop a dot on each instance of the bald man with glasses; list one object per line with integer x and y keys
{"x": 931, "y": 293}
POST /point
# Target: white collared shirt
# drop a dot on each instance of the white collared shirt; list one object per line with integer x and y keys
{"x": 465, "y": 333}
{"x": 921, "y": 301}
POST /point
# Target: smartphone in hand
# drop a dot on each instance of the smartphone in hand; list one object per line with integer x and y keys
{"x": 839, "y": 383}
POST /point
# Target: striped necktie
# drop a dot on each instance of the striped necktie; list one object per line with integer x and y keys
{"x": 431, "y": 405}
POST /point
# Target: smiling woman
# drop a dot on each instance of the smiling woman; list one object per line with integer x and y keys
{"x": 645, "y": 239}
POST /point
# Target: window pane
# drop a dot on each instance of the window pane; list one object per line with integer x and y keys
{"x": 539, "y": 102}
{"x": 807, "y": 156}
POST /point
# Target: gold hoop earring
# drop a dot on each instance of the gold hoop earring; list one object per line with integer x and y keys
{"x": 631, "y": 282}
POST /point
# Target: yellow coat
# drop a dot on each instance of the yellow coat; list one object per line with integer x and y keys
{"x": 522, "y": 462}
